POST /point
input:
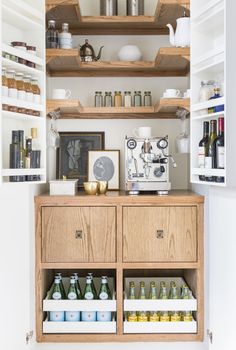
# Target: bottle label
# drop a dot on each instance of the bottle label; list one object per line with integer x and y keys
{"x": 72, "y": 296}
{"x": 208, "y": 162}
{"x": 88, "y": 296}
{"x": 221, "y": 157}
{"x": 21, "y": 95}
{"x": 201, "y": 157}
{"x": 104, "y": 316}
{"x": 89, "y": 316}
{"x": 5, "y": 91}
{"x": 56, "y": 316}
{"x": 29, "y": 96}
{"x": 72, "y": 316}
{"x": 154, "y": 317}
{"x": 12, "y": 93}
{"x": 103, "y": 296}
{"x": 56, "y": 296}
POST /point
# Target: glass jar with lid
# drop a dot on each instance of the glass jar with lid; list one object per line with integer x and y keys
{"x": 28, "y": 89}
{"x": 147, "y": 100}
{"x": 4, "y": 83}
{"x": 137, "y": 99}
{"x": 21, "y": 94}
{"x": 98, "y": 99}
{"x": 206, "y": 90}
{"x": 65, "y": 38}
{"x": 11, "y": 82}
{"x": 128, "y": 99}
{"x": 108, "y": 99}
{"x": 36, "y": 90}
{"x": 118, "y": 99}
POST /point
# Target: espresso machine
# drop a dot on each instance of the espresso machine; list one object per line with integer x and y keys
{"x": 147, "y": 165}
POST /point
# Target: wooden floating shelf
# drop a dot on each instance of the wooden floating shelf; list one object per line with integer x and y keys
{"x": 72, "y": 109}
{"x": 167, "y": 11}
{"x": 169, "y": 62}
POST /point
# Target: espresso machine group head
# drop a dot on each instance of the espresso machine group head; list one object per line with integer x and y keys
{"x": 147, "y": 165}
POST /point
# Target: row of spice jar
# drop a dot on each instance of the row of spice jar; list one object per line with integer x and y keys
{"x": 127, "y": 100}
{"x": 21, "y": 87}
{"x": 23, "y": 47}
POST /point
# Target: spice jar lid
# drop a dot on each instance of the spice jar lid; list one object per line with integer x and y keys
{"x": 137, "y": 92}
{"x": 31, "y": 48}
{"x": 10, "y": 71}
{"x": 128, "y": 92}
{"x": 18, "y": 43}
{"x": 147, "y": 92}
{"x": 107, "y": 92}
{"x": 98, "y": 92}
{"x": 27, "y": 76}
{"x": 19, "y": 74}
{"x": 118, "y": 92}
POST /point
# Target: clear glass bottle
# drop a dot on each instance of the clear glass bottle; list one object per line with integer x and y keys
{"x": 108, "y": 99}
{"x": 65, "y": 38}
{"x": 117, "y": 99}
{"x": 186, "y": 316}
{"x": 127, "y": 99}
{"x": 153, "y": 315}
{"x": 164, "y": 315}
{"x": 142, "y": 315}
{"x": 132, "y": 315}
{"x": 147, "y": 99}
{"x": 72, "y": 316}
{"x": 137, "y": 99}
{"x": 51, "y": 35}
{"x": 175, "y": 316}
{"x": 98, "y": 99}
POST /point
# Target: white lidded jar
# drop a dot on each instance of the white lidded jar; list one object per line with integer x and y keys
{"x": 65, "y": 38}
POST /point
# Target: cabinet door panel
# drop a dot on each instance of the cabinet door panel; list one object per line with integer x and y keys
{"x": 159, "y": 234}
{"x": 78, "y": 234}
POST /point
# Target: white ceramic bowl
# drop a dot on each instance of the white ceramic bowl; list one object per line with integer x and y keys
{"x": 130, "y": 53}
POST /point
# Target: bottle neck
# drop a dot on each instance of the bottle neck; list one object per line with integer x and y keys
{"x": 213, "y": 128}
{"x": 221, "y": 127}
{"x": 205, "y": 129}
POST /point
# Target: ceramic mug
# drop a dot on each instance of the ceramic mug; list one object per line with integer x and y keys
{"x": 61, "y": 94}
{"x": 143, "y": 132}
{"x": 172, "y": 93}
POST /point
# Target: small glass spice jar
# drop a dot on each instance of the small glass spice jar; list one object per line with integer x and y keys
{"x": 137, "y": 99}
{"x": 11, "y": 82}
{"x": 147, "y": 99}
{"x": 19, "y": 45}
{"x": 31, "y": 50}
{"x": 28, "y": 89}
{"x": 4, "y": 88}
{"x": 128, "y": 99}
{"x": 98, "y": 99}
{"x": 108, "y": 99}
{"x": 30, "y": 64}
{"x": 21, "y": 94}
{"x": 118, "y": 99}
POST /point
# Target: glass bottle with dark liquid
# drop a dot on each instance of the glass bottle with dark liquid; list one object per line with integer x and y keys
{"x": 52, "y": 35}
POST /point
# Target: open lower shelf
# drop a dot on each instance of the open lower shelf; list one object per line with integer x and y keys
{"x": 72, "y": 109}
{"x": 167, "y": 11}
{"x": 170, "y": 61}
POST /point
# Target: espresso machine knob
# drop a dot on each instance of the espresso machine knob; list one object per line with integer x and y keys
{"x": 162, "y": 143}
{"x": 158, "y": 172}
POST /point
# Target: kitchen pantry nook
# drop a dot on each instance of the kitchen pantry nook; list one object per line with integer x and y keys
{"x": 116, "y": 172}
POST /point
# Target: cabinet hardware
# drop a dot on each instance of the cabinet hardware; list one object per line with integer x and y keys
{"x": 78, "y": 234}
{"x": 160, "y": 234}
{"x": 28, "y": 337}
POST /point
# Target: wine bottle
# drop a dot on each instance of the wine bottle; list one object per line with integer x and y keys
{"x": 22, "y": 154}
{"x": 202, "y": 149}
{"x": 210, "y": 149}
{"x": 219, "y": 154}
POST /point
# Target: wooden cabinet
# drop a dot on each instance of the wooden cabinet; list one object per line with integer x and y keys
{"x": 156, "y": 234}
{"x": 124, "y": 237}
{"x": 78, "y": 234}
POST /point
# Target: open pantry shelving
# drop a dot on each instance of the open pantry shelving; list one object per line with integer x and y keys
{"x": 167, "y": 11}
{"x": 170, "y": 61}
{"x": 72, "y": 109}
{"x": 23, "y": 21}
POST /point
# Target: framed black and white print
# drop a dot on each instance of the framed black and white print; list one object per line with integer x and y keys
{"x": 105, "y": 166}
{"x": 72, "y": 155}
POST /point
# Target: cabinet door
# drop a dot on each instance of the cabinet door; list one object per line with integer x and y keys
{"x": 78, "y": 234}
{"x": 159, "y": 234}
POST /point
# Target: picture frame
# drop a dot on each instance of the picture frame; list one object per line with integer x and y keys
{"x": 105, "y": 166}
{"x": 72, "y": 155}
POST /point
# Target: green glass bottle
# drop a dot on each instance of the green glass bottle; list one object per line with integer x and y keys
{"x": 90, "y": 275}
{"x": 164, "y": 315}
{"x": 186, "y": 316}
{"x": 63, "y": 292}
{"x": 56, "y": 316}
{"x": 72, "y": 316}
{"x": 153, "y": 315}
{"x": 88, "y": 316}
{"x": 104, "y": 294}
{"x": 79, "y": 291}
{"x": 142, "y": 315}
{"x": 210, "y": 149}
{"x": 132, "y": 315}
{"x": 22, "y": 154}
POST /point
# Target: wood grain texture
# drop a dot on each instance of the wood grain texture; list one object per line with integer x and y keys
{"x": 167, "y": 11}
{"x": 140, "y": 227}
{"x": 170, "y": 61}
{"x": 98, "y": 228}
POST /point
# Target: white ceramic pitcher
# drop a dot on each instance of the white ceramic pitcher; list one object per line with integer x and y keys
{"x": 181, "y": 37}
